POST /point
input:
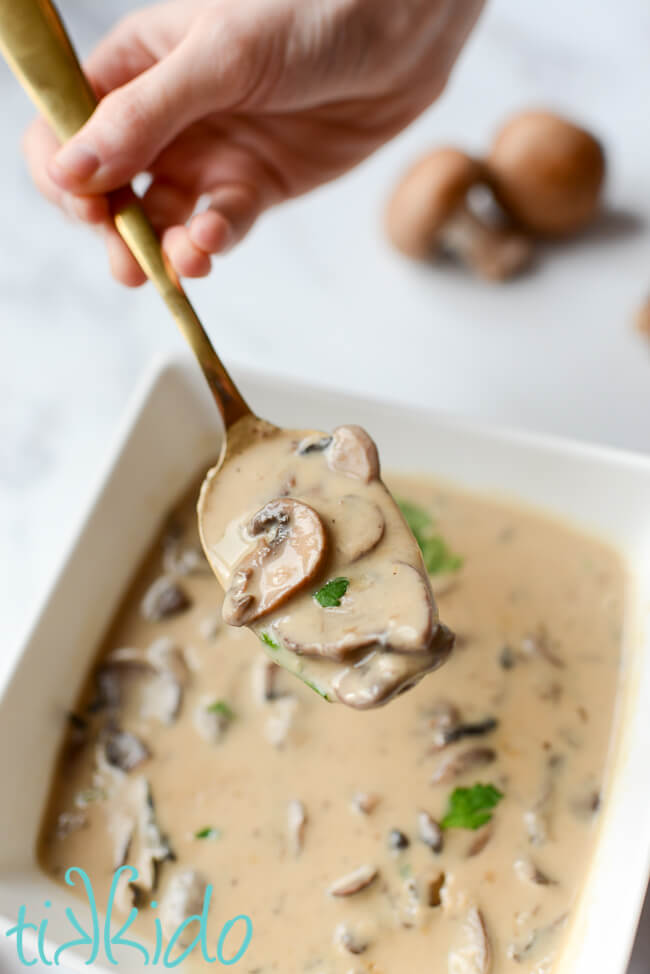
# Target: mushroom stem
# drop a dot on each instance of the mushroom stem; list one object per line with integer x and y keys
{"x": 493, "y": 254}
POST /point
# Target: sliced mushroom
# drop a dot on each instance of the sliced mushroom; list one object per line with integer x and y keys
{"x": 398, "y": 840}
{"x": 537, "y": 938}
{"x": 536, "y": 823}
{"x": 353, "y": 452}
{"x": 404, "y": 621}
{"x": 264, "y": 675}
{"x": 163, "y": 598}
{"x": 121, "y": 827}
{"x": 290, "y": 550}
{"x": 538, "y": 643}
{"x": 165, "y": 656}
{"x": 161, "y": 698}
{"x": 382, "y": 675}
{"x": 356, "y": 524}
{"x": 136, "y": 834}
{"x": 184, "y": 898}
{"x": 480, "y": 841}
{"x": 350, "y": 940}
{"x": 181, "y": 559}
{"x": 431, "y": 886}
{"x": 122, "y": 749}
{"x": 584, "y": 806}
{"x": 158, "y": 674}
{"x": 354, "y": 882}
{"x": 528, "y": 872}
{"x": 443, "y": 715}
{"x": 429, "y": 831}
{"x": 314, "y": 443}
{"x": 280, "y": 720}
{"x": 296, "y": 822}
{"x": 445, "y": 736}
{"x": 538, "y": 818}
{"x": 452, "y": 766}
{"x": 365, "y": 802}
{"x": 475, "y": 955}
{"x": 154, "y": 845}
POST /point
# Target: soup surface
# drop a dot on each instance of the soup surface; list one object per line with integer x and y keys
{"x": 449, "y": 831}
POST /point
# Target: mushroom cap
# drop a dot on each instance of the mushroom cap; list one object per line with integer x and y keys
{"x": 546, "y": 172}
{"x": 427, "y": 197}
{"x": 290, "y": 548}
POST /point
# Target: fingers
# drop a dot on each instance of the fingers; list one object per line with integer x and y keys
{"x": 40, "y": 144}
{"x": 231, "y": 213}
{"x": 124, "y": 267}
{"x": 129, "y": 128}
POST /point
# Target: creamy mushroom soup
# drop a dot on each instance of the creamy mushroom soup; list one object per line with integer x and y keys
{"x": 314, "y": 554}
{"x": 447, "y": 832}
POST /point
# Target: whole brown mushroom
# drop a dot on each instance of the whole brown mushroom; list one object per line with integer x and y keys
{"x": 547, "y": 173}
{"x": 429, "y": 213}
{"x": 643, "y": 319}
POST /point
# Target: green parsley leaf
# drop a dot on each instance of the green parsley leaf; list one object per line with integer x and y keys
{"x": 469, "y": 808}
{"x": 438, "y": 558}
{"x": 330, "y": 595}
{"x": 222, "y": 708}
{"x": 416, "y": 517}
{"x": 208, "y": 833}
{"x": 266, "y": 639}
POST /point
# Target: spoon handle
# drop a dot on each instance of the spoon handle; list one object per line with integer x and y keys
{"x": 36, "y": 45}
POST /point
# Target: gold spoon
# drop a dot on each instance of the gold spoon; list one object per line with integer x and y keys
{"x": 38, "y": 49}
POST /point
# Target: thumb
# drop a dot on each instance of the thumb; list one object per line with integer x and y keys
{"x": 131, "y": 126}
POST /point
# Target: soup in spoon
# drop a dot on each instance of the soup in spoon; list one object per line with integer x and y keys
{"x": 316, "y": 557}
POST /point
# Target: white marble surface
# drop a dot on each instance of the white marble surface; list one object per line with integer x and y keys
{"x": 317, "y": 293}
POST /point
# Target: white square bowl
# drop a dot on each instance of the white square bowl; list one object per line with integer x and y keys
{"x": 172, "y": 433}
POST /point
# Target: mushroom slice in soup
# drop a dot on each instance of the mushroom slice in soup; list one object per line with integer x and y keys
{"x": 354, "y": 453}
{"x": 391, "y": 607}
{"x": 474, "y": 956}
{"x": 157, "y": 675}
{"x": 288, "y": 548}
{"x": 354, "y": 882}
{"x": 452, "y": 766}
{"x": 381, "y": 675}
{"x": 183, "y": 898}
{"x": 123, "y": 749}
{"x": 356, "y": 523}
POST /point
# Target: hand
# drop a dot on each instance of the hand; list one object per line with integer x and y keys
{"x": 242, "y": 104}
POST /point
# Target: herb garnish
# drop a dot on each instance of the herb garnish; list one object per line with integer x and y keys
{"x": 438, "y": 557}
{"x": 312, "y": 686}
{"x": 266, "y": 639}
{"x": 222, "y": 708}
{"x": 330, "y": 595}
{"x": 469, "y": 808}
{"x": 208, "y": 833}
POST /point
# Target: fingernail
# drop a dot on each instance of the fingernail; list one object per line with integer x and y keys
{"x": 74, "y": 161}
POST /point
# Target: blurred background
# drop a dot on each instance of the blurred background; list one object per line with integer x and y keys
{"x": 554, "y": 350}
